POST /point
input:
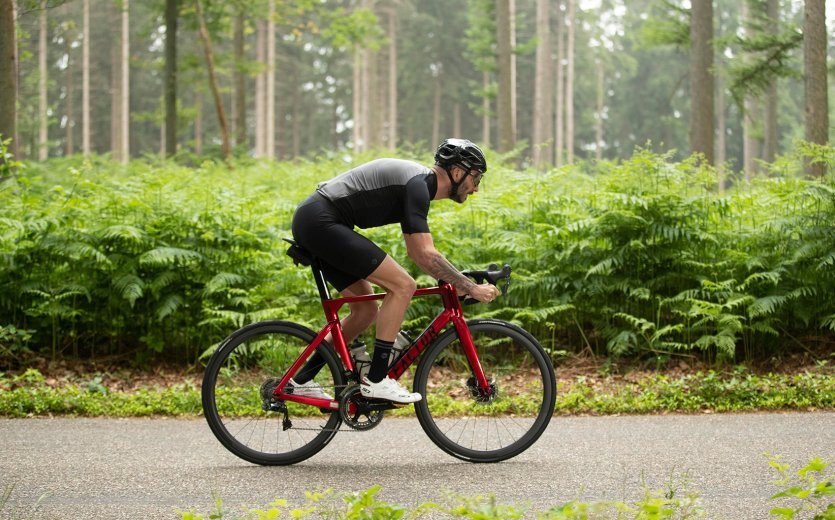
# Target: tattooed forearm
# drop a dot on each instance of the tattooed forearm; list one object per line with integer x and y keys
{"x": 439, "y": 267}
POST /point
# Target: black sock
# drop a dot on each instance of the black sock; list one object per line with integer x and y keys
{"x": 380, "y": 360}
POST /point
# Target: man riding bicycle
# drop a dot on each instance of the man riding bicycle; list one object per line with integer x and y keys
{"x": 384, "y": 191}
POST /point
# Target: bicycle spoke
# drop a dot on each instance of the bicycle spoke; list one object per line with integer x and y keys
{"x": 496, "y": 426}
{"x": 238, "y": 384}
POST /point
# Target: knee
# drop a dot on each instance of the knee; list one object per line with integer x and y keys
{"x": 404, "y": 287}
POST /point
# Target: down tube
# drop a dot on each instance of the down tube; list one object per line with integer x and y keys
{"x": 470, "y": 351}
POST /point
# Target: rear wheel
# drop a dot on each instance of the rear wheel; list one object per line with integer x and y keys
{"x": 239, "y": 381}
{"x": 477, "y": 428}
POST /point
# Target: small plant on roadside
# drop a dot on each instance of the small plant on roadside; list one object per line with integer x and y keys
{"x": 810, "y": 490}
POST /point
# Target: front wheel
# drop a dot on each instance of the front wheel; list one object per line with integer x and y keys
{"x": 469, "y": 426}
{"x": 238, "y": 384}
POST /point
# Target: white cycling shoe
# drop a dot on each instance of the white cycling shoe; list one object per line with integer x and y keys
{"x": 388, "y": 389}
{"x": 310, "y": 389}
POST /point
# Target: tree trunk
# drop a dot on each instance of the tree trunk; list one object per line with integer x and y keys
{"x": 814, "y": 61}
{"x": 198, "y": 123}
{"x": 770, "y": 122}
{"x": 8, "y": 75}
{"x": 392, "y": 98}
{"x": 559, "y": 102}
{"x": 486, "y": 116}
{"x": 240, "y": 83}
{"x": 85, "y": 81}
{"x": 721, "y": 135}
{"x": 356, "y": 103}
{"x": 210, "y": 62}
{"x": 269, "y": 138}
{"x": 542, "y": 120}
{"x": 69, "y": 146}
{"x": 43, "y": 122}
{"x": 436, "y": 113}
{"x": 750, "y": 114}
{"x": 504, "y": 101}
{"x": 598, "y": 134}
{"x": 260, "y": 92}
{"x": 116, "y": 103}
{"x": 171, "y": 14}
{"x": 701, "y": 79}
{"x": 125, "y": 115}
{"x": 569, "y": 82}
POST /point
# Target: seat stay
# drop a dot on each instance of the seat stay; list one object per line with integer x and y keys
{"x": 339, "y": 341}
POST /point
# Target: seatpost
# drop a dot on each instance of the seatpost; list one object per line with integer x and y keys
{"x": 321, "y": 284}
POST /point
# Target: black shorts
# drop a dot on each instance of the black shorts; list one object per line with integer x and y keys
{"x": 346, "y": 256}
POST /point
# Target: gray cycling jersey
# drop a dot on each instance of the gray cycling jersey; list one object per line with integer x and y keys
{"x": 382, "y": 192}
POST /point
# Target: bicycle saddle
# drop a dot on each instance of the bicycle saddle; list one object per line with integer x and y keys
{"x": 300, "y": 255}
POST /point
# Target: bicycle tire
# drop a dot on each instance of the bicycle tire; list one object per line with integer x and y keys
{"x": 507, "y": 425}
{"x": 232, "y": 401}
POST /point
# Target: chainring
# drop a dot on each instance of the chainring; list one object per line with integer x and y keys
{"x": 357, "y": 412}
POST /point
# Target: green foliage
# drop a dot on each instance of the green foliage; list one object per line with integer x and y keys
{"x": 29, "y": 394}
{"x": 811, "y": 487}
{"x": 640, "y": 258}
{"x": 809, "y": 491}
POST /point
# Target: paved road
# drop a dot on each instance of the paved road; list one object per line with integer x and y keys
{"x": 150, "y": 468}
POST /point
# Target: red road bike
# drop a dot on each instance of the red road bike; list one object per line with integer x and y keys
{"x": 488, "y": 386}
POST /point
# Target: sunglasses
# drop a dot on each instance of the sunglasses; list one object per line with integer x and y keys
{"x": 476, "y": 177}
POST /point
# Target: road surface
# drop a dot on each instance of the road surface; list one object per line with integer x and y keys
{"x": 151, "y": 468}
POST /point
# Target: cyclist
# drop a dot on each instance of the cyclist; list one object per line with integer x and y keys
{"x": 384, "y": 191}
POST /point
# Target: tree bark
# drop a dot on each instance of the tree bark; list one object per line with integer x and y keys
{"x": 750, "y": 113}
{"x": 171, "y": 14}
{"x": 542, "y": 120}
{"x": 356, "y": 103}
{"x": 815, "y": 82}
{"x": 86, "y": 147}
{"x": 269, "y": 138}
{"x": 260, "y": 91}
{"x": 240, "y": 83}
{"x": 69, "y": 145}
{"x": 210, "y": 62}
{"x": 569, "y": 82}
{"x": 559, "y": 102}
{"x": 125, "y": 112}
{"x": 486, "y": 116}
{"x": 392, "y": 98}
{"x": 504, "y": 101}
{"x": 598, "y": 123}
{"x": 770, "y": 121}
{"x": 701, "y": 79}
{"x": 8, "y": 75}
{"x": 43, "y": 122}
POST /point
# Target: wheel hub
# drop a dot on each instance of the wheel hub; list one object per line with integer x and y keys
{"x": 478, "y": 394}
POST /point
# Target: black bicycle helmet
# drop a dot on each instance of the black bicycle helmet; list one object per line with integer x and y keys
{"x": 460, "y": 151}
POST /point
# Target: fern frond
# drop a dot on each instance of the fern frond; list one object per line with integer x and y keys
{"x": 766, "y": 305}
{"x": 169, "y": 306}
{"x": 130, "y": 287}
{"x": 168, "y": 256}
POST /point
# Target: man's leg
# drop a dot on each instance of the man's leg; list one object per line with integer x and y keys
{"x": 400, "y": 287}
{"x": 362, "y": 315}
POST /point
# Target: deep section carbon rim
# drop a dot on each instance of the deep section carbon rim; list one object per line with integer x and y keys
{"x": 248, "y": 364}
{"x": 475, "y": 427}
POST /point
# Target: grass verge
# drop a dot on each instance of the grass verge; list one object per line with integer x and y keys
{"x": 739, "y": 390}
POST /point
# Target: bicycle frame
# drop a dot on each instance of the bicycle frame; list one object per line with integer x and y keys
{"x": 452, "y": 313}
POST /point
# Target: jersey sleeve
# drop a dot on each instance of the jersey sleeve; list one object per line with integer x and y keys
{"x": 416, "y": 206}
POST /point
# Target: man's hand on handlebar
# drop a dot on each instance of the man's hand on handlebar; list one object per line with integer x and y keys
{"x": 485, "y": 293}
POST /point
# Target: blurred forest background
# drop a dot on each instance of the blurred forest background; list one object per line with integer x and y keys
{"x": 660, "y": 170}
{"x": 559, "y": 79}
